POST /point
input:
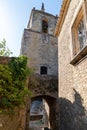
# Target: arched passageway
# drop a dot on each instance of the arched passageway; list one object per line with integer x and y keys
{"x": 43, "y": 113}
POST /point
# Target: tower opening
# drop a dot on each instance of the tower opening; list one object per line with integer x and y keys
{"x": 43, "y": 70}
{"x": 44, "y": 26}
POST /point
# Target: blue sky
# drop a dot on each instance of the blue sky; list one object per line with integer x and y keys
{"x": 14, "y": 16}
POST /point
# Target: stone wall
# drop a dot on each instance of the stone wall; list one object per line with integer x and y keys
{"x": 72, "y": 78}
{"x": 40, "y": 51}
{"x": 35, "y": 21}
{"x": 43, "y": 85}
{"x": 13, "y": 120}
{"x": 41, "y": 47}
{"x": 4, "y": 60}
{"x": 45, "y": 88}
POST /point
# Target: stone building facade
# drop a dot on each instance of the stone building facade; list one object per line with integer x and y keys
{"x": 40, "y": 46}
{"x": 71, "y": 30}
{"x": 39, "y": 43}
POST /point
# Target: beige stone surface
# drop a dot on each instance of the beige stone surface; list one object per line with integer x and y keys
{"x": 40, "y": 47}
{"x": 72, "y": 78}
{"x": 70, "y": 75}
{"x": 13, "y": 121}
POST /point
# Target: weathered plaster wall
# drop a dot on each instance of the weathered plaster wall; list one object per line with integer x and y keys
{"x": 13, "y": 121}
{"x": 72, "y": 79}
{"x": 41, "y": 47}
{"x": 40, "y": 51}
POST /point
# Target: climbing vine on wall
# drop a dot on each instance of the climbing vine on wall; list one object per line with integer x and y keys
{"x": 13, "y": 77}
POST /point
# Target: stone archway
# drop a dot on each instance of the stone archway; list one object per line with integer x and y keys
{"x": 44, "y": 88}
{"x": 43, "y": 113}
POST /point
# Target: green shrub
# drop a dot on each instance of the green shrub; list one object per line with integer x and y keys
{"x": 13, "y": 77}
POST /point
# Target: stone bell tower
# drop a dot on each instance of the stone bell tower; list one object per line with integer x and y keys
{"x": 39, "y": 43}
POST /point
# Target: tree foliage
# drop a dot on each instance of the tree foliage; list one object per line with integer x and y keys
{"x": 4, "y": 50}
{"x": 13, "y": 88}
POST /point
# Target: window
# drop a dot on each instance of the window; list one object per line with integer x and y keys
{"x": 79, "y": 38}
{"x": 78, "y": 33}
{"x": 43, "y": 70}
{"x": 81, "y": 35}
{"x": 44, "y": 26}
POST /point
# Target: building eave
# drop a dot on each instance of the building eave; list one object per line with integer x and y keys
{"x": 63, "y": 11}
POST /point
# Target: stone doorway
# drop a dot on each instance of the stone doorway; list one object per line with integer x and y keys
{"x": 42, "y": 113}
